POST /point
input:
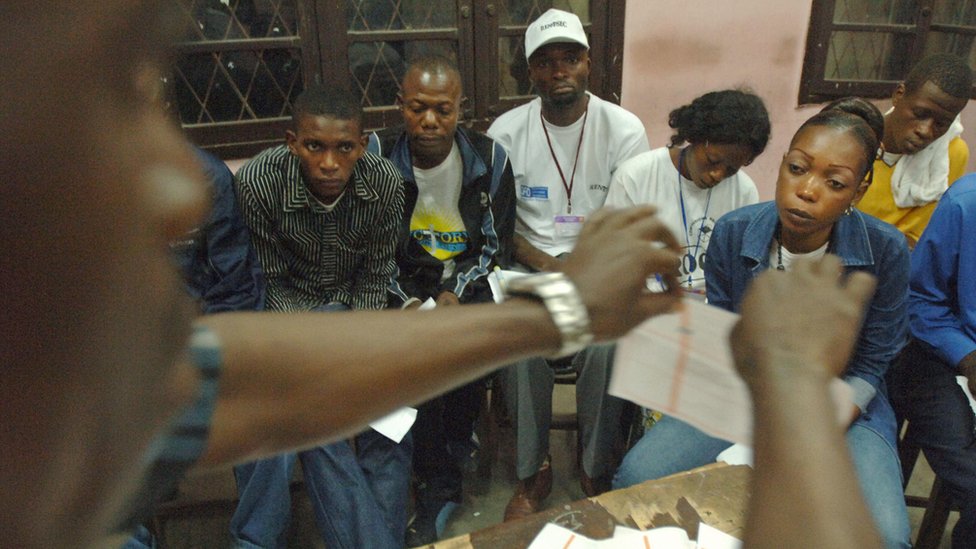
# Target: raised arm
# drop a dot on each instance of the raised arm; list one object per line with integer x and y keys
{"x": 294, "y": 380}
{"x": 804, "y": 490}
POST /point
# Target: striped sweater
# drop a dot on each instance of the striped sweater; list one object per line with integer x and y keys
{"x": 311, "y": 256}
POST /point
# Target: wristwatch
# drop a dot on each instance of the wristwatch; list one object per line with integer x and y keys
{"x": 559, "y": 295}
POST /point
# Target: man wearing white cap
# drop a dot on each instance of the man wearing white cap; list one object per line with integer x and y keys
{"x": 564, "y": 147}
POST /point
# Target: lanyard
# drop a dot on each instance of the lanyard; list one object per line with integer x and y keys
{"x": 579, "y": 146}
{"x": 684, "y": 217}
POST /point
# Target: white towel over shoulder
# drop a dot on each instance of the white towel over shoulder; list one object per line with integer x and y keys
{"x": 921, "y": 178}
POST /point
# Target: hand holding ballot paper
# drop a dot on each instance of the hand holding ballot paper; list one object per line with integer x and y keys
{"x": 681, "y": 364}
{"x": 795, "y": 335}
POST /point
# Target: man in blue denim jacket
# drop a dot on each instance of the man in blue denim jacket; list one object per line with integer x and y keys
{"x": 221, "y": 270}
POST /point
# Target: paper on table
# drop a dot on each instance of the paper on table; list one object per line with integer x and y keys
{"x": 713, "y": 538}
{"x": 396, "y": 425}
{"x": 665, "y": 537}
{"x": 681, "y": 364}
{"x": 428, "y": 305}
{"x": 553, "y": 536}
{"x": 737, "y": 454}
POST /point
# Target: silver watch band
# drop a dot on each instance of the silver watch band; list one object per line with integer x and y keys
{"x": 565, "y": 306}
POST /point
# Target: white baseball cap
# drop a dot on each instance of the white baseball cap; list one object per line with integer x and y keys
{"x": 554, "y": 26}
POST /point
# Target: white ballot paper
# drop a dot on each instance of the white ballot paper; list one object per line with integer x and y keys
{"x": 396, "y": 425}
{"x": 964, "y": 383}
{"x": 553, "y": 536}
{"x": 713, "y": 538}
{"x": 681, "y": 364}
{"x": 497, "y": 280}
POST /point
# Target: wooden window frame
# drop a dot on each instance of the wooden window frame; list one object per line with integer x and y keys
{"x": 814, "y": 88}
{"x": 324, "y": 40}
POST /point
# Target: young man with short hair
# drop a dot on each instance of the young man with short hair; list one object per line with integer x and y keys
{"x": 457, "y": 226}
{"x": 923, "y": 152}
{"x": 564, "y": 146}
{"x": 324, "y": 214}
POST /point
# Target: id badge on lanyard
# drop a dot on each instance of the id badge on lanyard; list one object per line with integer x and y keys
{"x": 568, "y": 225}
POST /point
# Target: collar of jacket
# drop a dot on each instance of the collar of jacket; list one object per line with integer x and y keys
{"x": 297, "y": 196}
{"x": 474, "y": 166}
{"x": 850, "y": 237}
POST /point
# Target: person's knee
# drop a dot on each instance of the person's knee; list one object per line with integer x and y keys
{"x": 627, "y": 474}
{"x": 895, "y": 532}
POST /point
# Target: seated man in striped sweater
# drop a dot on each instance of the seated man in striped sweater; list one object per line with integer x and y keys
{"x": 323, "y": 215}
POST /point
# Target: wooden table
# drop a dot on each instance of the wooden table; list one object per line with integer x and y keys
{"x": 716, "y": 494}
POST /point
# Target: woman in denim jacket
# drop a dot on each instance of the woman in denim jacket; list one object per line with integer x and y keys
{"x": 825, "y": 171}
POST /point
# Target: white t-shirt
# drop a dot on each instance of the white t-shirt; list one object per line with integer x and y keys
{"x": 651, "y": 178}
{"x": 436, "y": 222}
{"x": 611, "y": 135}
{"x": 775, "y": 252}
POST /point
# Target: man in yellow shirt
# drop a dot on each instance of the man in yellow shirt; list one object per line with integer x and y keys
{"x": 923, "y": 153}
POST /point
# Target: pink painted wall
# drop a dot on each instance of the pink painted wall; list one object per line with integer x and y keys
{"x": 676, "y": 51}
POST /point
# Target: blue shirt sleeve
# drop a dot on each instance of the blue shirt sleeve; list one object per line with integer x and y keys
{"x": 885, "y": 328}
{"x": 943, "y": 291}
{"x": 718, "y": 267}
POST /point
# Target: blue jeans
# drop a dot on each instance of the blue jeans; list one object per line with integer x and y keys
{"x": 672, "y": 446}
{"x": 359, "y": 497}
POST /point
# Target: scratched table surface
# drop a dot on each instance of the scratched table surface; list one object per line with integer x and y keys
{"x": 716, "y": 494}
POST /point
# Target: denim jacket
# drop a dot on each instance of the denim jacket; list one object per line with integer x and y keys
{"x": 219, "y": 265}
{"x": 487, "y": 208}
{"x": 739, "y": 250}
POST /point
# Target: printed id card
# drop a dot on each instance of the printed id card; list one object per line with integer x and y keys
{"x": 568, "y": 225}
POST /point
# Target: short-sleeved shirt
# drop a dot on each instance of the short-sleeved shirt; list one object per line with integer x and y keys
{"x": 610, "y": 135}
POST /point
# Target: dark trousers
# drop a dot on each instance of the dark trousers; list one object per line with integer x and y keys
{"x": 924, "y": 391}
{"x": 443, "y": 429}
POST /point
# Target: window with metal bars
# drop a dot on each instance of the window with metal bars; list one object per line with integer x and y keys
{"x": 865, "y": 47}
{"x": 241, "y": 63}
